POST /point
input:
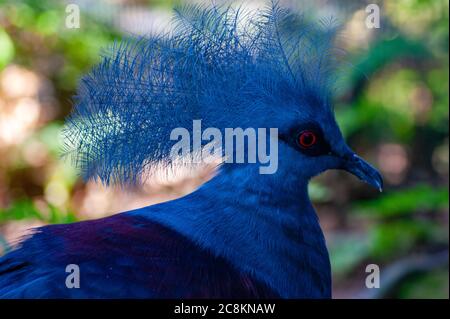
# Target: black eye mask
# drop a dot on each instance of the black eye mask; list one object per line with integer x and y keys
{"x": 308, "y": 139}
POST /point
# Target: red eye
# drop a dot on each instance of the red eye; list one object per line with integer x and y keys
{"x": 307, "y": 139}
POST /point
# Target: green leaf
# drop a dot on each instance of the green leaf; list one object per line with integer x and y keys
{"x": 396, "y": 238}
{"x": 20, "y": 209}
{"x": 6, "y": 49}
{"x": 431, "y": 285}
{"x": 346, "y": 252}
{"x": 404, "y": 202}
{"x": 25, "y": 209}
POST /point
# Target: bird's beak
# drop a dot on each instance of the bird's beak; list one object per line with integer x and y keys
{"x": 363, "y": 170}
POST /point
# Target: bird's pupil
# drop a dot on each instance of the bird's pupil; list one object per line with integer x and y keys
{"x": 307, "y": 139}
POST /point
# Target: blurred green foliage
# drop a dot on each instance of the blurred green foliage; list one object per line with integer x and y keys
{"x": 396, "y": 91}
{"x": 433, "y": 284}
{"x": 25, "y": 209}
{"x": 45, "y": 20}
{"x": 7, "y": 52}
{"x": 422, "y": 198}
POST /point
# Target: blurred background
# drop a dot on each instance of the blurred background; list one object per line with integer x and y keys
{"x": 392, "y": 105}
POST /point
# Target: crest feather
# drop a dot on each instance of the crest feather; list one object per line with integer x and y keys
{"x": 221, "y": 65}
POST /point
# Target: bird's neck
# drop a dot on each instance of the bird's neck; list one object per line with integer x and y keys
{"x": 260, "y": 225}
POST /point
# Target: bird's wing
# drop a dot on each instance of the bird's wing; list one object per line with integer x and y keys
{"x": 121, "y": 256}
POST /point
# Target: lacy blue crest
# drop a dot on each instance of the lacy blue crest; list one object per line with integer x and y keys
{"x": 222, "y": 65}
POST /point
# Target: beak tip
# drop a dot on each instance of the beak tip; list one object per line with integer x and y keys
{"x": 379, "y": 185}
{"x": 376, "y": 184}
{"x": 365, "y": 172}
{"x": 377, "y": 181}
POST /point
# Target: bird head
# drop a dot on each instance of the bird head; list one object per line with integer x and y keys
{"x": 311, "y": 143}
{"x": 231, "y": 69}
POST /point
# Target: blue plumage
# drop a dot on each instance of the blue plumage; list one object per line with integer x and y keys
{"x": 242, "y": 234}
{"x": 37, "y": 270}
